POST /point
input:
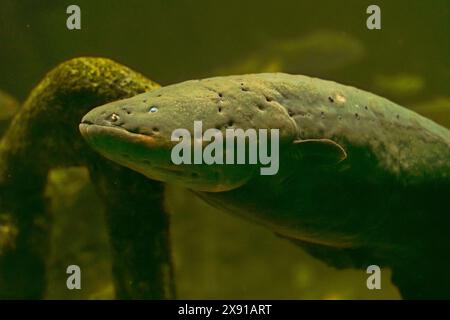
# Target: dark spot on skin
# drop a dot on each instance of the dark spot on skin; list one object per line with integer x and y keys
{"x": 243, "y": 87}
{"x": 144, "y": 101}
{"x": 268, "y": 99}
{"x": 322, "y": 115}
{"x": 220, "y": 109}
{"x": 398, "y": 116}
{"x": 126, "y": 110}
{"x": 331, "y": 99}
{"x": 260, "y": 107}
{"x": 159, "y": 95}
{"x": 357, "y": 116}
{"x": 365, "y": 107}
{"x": 220, "y": 95}
{"x": 155, "y": 129}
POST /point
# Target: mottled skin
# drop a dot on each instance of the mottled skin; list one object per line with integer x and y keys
{"x": 374, "y": 192}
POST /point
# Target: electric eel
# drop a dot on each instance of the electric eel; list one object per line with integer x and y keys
{"x": 361, "y": 181}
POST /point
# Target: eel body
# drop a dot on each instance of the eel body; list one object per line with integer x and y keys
{"x": 361, "y": 180}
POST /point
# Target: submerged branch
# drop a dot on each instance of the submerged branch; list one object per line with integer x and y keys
{"x": 44, "y": 135}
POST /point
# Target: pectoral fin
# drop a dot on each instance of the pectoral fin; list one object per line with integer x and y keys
{"x": 321, "y": 151}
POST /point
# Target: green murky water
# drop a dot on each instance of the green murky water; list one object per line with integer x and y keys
{"x": 217, "y": 255}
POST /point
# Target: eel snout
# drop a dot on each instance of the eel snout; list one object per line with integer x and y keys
{"x": 108, "y": 117}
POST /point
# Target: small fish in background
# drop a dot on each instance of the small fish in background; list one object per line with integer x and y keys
{"x": 401, "y": 85}
{"x": 316, "y": 53}
{"x": 437, "y": 109}
{"x": 8, "y": 108}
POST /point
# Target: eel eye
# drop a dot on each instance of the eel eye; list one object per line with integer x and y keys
{"x": 114, "y": 117}
{"x": 153, "y": 110}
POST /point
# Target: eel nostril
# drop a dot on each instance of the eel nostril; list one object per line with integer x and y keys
{"x": 86, "y": 121}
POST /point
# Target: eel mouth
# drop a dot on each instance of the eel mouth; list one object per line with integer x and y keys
{"x": 105, "y": 139}
{"x": 92, "y": 132}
